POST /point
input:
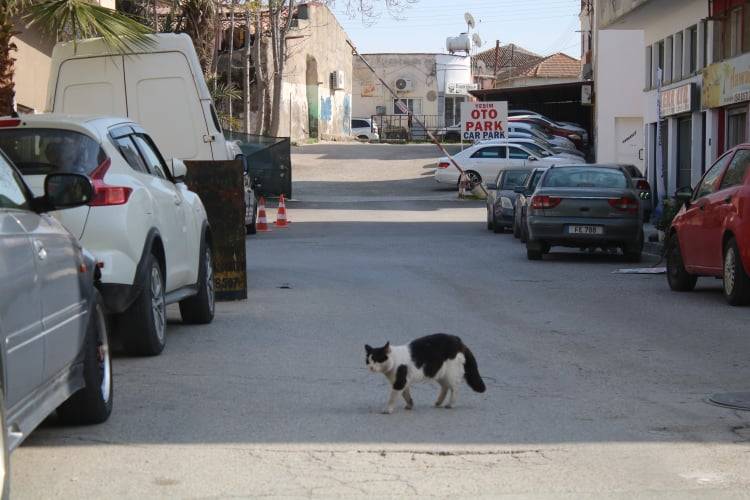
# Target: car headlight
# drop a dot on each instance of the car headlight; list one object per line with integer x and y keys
{"x": 505, "y": 202}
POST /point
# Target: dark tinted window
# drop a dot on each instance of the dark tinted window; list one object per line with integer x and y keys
{"x": 215, "y": 118}
{"x": 131, "y": 154}
{"x": 493, "y": 152}
{"x": 360, "y": 124}
{"x": 633, "y": 171}
{"x": 710, "y": 181}
{"x": 586, "y": 177}
{"x": 47, "y": 151}
{"x": 154, "y": 162}
{"x": 737, "y": 169}
{"x": 518, "y": 153}
{"x": 513, "y": 178}
{"x": 12, "y": 193}
{"x": 535, "y": 177}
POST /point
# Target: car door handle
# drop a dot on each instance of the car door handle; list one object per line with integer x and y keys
{"x": 40, "y": 250}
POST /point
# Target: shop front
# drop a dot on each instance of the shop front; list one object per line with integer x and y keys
{"x": 726, "y": 94}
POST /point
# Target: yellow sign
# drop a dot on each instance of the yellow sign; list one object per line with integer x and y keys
{"x": 726, "y": 82}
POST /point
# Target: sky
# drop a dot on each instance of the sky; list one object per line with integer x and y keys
{"x": 541, "y": 26}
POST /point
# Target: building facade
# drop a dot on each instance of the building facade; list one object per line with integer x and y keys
{"x": 679, "y": 136}
{"x": 431, "y": 85}
{"x": 33, "y": 57}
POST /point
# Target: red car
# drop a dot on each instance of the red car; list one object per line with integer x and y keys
{"x": 710, "y": 236}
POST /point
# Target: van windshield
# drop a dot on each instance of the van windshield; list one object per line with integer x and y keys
{"x": 45, "y": 151}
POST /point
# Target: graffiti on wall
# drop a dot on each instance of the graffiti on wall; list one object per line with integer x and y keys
{"x": 347, "y": 114}
{"x": 326, "y": 109}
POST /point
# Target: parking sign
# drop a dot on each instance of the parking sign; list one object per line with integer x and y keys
{"x": 484, "y": 120}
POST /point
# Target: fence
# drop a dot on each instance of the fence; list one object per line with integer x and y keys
{"x": 406, "y": 128}
{"x": 268, "y": 160}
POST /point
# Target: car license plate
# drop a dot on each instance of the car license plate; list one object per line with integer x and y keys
{"x": 586, "y": 229}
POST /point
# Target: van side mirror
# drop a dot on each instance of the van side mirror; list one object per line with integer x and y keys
{"x": 491, "y": 186}
{"x": 179, "y": 170}
{"x": 519, "y": 189}
{"x": 533, "y": 158}
{"x": 66, "y": 191}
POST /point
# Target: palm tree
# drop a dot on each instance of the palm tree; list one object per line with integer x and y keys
{"x": 67, "y": 19}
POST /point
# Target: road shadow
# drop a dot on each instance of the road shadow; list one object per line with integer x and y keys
{"x": 384, "y": 152}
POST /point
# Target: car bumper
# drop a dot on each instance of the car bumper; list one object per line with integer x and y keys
{"x": 504, "y": 216}
{"x": 446, "y": 176}
{"x": 555, "y": 231}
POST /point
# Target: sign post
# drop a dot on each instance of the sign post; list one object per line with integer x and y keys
{"x": 483, "y": 120}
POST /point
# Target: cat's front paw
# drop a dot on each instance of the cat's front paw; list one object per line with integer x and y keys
{"x": 387, "y": 411}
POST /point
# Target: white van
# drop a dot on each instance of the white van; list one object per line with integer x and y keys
{"x": 162, "y": 88}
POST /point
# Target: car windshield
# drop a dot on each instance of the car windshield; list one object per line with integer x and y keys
{"x": 536, "y": 149}
{"x": 46, "y": 151}
{"x": 588, "y": 177}
{"x": 514, "y": 178}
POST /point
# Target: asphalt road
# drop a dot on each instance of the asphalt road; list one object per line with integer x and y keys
{"x": 596, "y": 381}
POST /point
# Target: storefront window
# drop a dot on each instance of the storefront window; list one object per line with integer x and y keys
{"x": 684, "y": 147}
{"x": 736, "y": 127}
{"x": 414, "y": 105}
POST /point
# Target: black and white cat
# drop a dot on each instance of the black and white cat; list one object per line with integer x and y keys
{"x": 442, "y": 358}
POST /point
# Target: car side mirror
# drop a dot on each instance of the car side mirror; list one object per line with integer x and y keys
{"x": 519, "y": 189}
{"x": 532, "y": 158}
{"x": 684, "y": 194}
{"x": 491, "y": 185}
{"x": 179, "y": 170}
{"x": 66, "y": 191}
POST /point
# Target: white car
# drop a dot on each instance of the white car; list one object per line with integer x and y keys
{"x": 535, "y": 146}
{"x": 482, "y": 162}
{"x": 147, "y": 231}
{"x": 364, "y": 129}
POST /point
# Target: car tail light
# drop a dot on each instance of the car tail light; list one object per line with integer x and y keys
{"x": 444, "y": 164}
{"x": 540, "y": 202}
{"x": 13, "y": 122}
{"x": 642, "y": 185}
{"x": 104, "y": 194}
{"x": 624, "y": 204}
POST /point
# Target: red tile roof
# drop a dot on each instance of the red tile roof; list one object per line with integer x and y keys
{"x": 557, "y": 65}
{"x": 509, "y": 56}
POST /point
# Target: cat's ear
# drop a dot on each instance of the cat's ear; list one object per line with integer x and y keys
{"x": 387, "y": 347}
{"x": 368, "y": 349}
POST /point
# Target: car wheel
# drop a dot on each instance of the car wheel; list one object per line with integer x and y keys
{"x": 633, "y": 252}
{"x": 250, "y": 228}
{"x": 736, "y": 280}
{"x": 677, "y": 276}
{"x": 473, "y": 178}
{"x": 93, "y": 403}
{"x": 534, "y": 250}
{"x": 146, "y": 320}
{"x": 200, "y": 308}
{"x": 497, "y": 228}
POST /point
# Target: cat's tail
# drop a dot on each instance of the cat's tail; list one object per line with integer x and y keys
{"x": 471, "y": 372}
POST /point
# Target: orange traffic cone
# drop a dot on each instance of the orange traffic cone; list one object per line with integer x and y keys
{"x": 262, "y": 223}
{"x": 281, "y": 220}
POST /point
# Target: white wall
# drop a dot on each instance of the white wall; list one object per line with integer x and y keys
{"x": 452, "y": 69}
{"x": 619, "y": 76}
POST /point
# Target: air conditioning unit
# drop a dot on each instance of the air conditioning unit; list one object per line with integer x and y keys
{"x": 337, "y": 80}
{"x": 404, "y": 85}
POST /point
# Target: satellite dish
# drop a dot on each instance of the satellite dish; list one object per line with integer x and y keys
{"x": 476, "y": 39}
{"x": 469, "y": 20}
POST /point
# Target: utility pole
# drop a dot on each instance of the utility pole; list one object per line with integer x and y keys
{"x": 231, "y": 56}
{"x": 156, "y": 17}
{"x": 497, "y": 56}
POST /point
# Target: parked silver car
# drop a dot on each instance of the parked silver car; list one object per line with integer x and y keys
{"x": 55, "y": 351}
{"x": 501, "y": 198}
{"x": 585, "y": 206}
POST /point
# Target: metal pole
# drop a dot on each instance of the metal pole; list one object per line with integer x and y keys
{"x": 406, "y": 109}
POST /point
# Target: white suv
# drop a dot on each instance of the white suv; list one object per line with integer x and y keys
{"x": 148, "y": 232}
